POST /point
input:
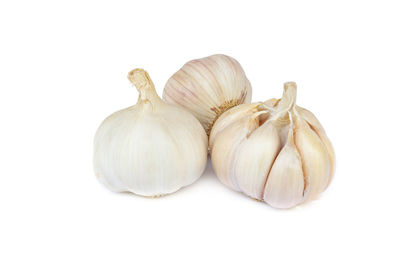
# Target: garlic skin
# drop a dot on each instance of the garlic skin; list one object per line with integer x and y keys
{"x": 273, "y": 151}
{"x": 207, "y": 87}
{"x": 152, "y": 148}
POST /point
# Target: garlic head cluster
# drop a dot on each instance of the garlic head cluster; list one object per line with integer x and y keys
{"x": 152, "y": 148}
{"x": 273, "y": 151}
{"x": 207, "y": 87}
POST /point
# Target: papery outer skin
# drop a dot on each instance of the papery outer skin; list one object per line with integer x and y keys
{"x": 150, "y": 154}
{"x": 285, "y": 184}
{"x": 271, "y": 102}
{"x": 225, "y": 150}
{"x": 207, "y": 87}
{"x": 149, "y": 149}
{"x": 315, "y": 158}
{"x": 230, "y": 116}
{"x": 317, "y": 127}
{"x": 254, "y": 158}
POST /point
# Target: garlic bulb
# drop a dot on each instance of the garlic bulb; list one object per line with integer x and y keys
{"x": 273, "y": 151}
{"x": 152, "y": 148}
{"x": 207, "y": 87}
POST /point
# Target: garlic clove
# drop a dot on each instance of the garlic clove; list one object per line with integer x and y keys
{"x": 315, "y": 158}
{"x": 285, "y": 184}
{"x": 230, "y": 116}
{"x": 207, "y": 87}
{"x": 224, "y": 151}
{"x": 317, "y": 127}
{"x": 309, "y": 117}
{"x": 254, "y": 159}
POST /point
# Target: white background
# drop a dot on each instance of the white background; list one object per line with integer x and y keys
{"x": 63, "y": 68}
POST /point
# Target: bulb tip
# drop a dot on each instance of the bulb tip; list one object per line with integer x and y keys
{"x": 289, "y": 85}
{"x": 290, "y": 91}
{"x": 139, "y": 77}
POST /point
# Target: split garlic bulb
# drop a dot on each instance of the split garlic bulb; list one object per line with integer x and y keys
{"x": 152, "y": 148}
{"x": 207, "y": 87}
{"x": 273, "y": 151}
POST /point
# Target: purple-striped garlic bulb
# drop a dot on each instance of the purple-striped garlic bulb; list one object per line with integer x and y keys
{"x": 207, "y": 87}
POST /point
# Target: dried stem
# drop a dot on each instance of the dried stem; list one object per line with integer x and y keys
{"x": 143, "y": 83}
{"x": 288, "y": 100}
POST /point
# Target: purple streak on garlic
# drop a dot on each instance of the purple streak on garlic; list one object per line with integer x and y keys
{"x": 207, "y": 87}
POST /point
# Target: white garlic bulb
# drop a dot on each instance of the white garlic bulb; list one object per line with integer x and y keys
{"x": 152, "y": 148}
{"x": 273, "y": 151}
{"x": 207, "y": 87}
